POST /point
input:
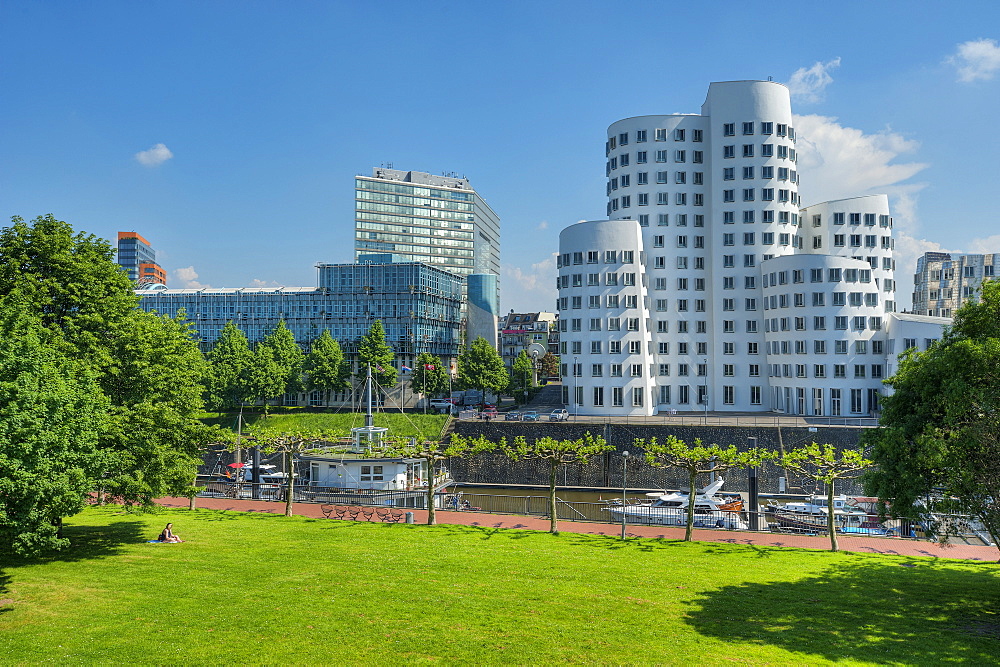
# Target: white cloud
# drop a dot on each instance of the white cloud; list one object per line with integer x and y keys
{"x": 531, "y": 290}
{"x": 988, "y": 245}
{"x": 841, "y": 162}
{"x": 155, "y": 156}
{"x": 257, "y": 282}
{"x": 976, "y": 60}
{"x": 188, "y": 278}
{"x": 544, "y": 224}
{"x": 807, "y": 84}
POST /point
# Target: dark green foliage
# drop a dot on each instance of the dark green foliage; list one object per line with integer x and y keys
{"x": 480, "y": 367}
{"x": 522, "y": 379}
{"x": 287, "y": 355}
{"x": 228, "y": 383}
{"x": 325, "y": 366}
{"x": 429, "y": 375}
{"x": 52, "y": 414}
{"x": 938, "y": 446}
{"x": 131, "y": 380}
{"x": 375, "y": 352}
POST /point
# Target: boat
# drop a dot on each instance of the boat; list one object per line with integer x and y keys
{"x": 711, "y": 510}
{"x": 351, "y": 472}
{"x": 811, "y": 516}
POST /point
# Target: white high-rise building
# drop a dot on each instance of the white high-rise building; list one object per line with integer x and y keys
{"x": 710, "y": 288}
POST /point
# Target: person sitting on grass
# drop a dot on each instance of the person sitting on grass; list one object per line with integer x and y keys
{"x": 168, "y": 535}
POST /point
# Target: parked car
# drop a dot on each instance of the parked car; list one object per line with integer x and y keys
{"x": 530, "y": 416}
{"x": 441, "y": 405}
{"x": 512, "y": 417}
{"x": 489, "y": 413}
{"x": 559, "y": 415}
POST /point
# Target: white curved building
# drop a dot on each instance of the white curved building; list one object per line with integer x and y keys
{"x": 713, "y": 216}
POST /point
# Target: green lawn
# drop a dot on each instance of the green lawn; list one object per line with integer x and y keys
{"x": 261, "y": 588}
{"x": 339, "y": 423}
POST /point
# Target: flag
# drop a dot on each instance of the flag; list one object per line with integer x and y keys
{"x": 379, "y": 368}
{"x": 429, "y": 367}
{"x": 406, "y": 368}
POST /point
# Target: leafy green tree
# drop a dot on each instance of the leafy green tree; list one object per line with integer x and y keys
{"x": 549, "y": 365}
{"x": 375, "y": 352}
{"x": 937, "y": 448}
{"x": 556, "y": 453}
{"x": 230, "y": 360}
{"x": 822, "y": 464}
{"x": 325, "y": 366}
{"x": 287, "y": 355}
{"x": 698, "y": 460}
{"x": 155, "y": 439}
{"x": 522, "y": 373}
{"x": 71, "y": 285}
{"x": 480, "y": 367}
{"x": 429, "y": 375}
{"x": 52, "y": 414}
{"x": 433, "y": 453}
{"x": 266, "y": 377}
{"x": 70, "y": 280}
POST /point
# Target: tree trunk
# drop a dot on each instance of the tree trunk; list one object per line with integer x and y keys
{"x": 431, "y": 515}
{"x": 692, "y": 492}
{"x": 553, "y": 511}
{"x": 194, "y": 494}
{"x": 830, "y": 524}
{"x": 290, "y": 485}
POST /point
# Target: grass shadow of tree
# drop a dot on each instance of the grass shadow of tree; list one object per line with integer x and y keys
{"x": 869, "y": 611}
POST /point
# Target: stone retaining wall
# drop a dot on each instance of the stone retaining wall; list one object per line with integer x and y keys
{"x": 606, "y": 470}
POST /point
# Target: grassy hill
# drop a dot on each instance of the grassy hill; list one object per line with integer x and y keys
{"x": 334, "y": 423}
{"x": 260, "y": 588}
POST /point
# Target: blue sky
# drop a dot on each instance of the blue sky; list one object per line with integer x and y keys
{"x": 228, "y": 133}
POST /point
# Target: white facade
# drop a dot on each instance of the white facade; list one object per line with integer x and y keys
{"x": 739, "y": 296}
{"x": 904, "y": 331}
{"x": 944, "y": 281}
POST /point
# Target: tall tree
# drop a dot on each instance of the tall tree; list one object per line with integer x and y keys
{"x": 375, "y": 352}
{"x": 266, "y": 378}
{"x": 325, "y": 366}
{"x": 71, "y": 284}
{"x": 937, "y": 448}
{"x": 696, "y": 461}
{"x": 155, "y": 438}
{"x": 52, "y": 414}
{"x": 230, "y": 359}
{"x": 522, "y": 372}
{"x": 429, "y": 375}
{"x": 555, "y": 453}
{"x": 823, "y": 464}
{"x": 480, "y": 367}
{"x": 287, "y": 355}
{"x": 549, "y": 365}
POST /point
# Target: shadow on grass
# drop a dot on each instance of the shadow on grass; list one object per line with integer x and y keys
{"x": 875, "y": 609}
{"x": 87, "y": 542}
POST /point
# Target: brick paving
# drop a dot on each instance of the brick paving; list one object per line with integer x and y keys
{"x": 879, "y": 545}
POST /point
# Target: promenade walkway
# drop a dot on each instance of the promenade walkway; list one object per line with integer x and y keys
{"x": 879, "y": 545}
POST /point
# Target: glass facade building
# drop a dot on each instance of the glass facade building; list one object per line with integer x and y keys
{"x": 138, "y": 258}
{"x": 409, "y": 216}
{"x": 419, "y": 306}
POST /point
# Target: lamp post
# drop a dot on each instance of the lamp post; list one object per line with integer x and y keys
{"x": 624, "y": 480}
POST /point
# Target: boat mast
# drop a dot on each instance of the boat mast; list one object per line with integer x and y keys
{"x": 369, "y": 422}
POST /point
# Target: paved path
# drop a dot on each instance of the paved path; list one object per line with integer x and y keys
{"x": 880, "y": 545}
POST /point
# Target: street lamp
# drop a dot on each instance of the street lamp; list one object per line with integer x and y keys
{"x": 624, "y": 479}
